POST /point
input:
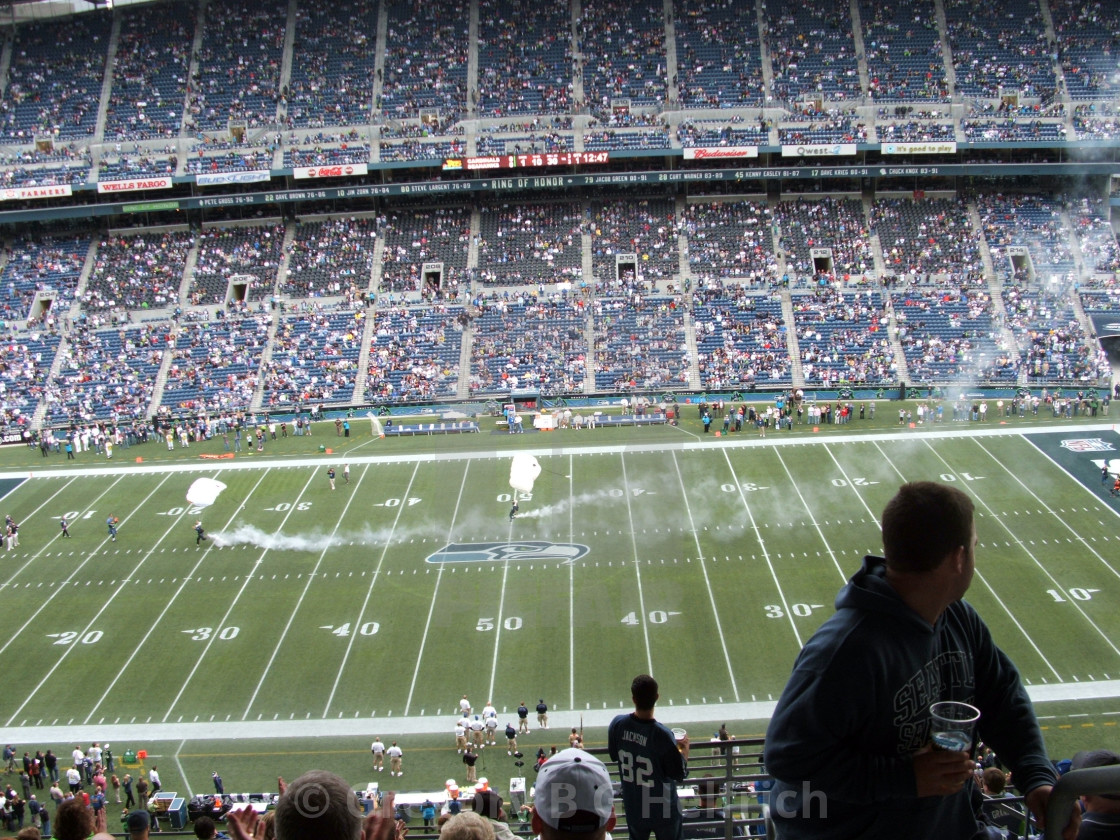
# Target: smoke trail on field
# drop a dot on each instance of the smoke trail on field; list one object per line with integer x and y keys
{"x": 564, "y": 505}
{"x": 312, "y": 540}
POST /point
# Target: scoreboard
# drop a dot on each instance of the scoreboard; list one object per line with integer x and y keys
{"x": 525, "y": 161}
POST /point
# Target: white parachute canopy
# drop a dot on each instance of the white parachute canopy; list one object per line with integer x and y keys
{"x": 523, "y": 472}
{"x": 205, "y": 491}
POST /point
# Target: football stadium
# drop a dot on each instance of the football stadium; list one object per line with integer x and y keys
{"x": 373, "y": 368}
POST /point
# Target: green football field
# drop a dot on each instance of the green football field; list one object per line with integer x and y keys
{"x": 314, "y": 619}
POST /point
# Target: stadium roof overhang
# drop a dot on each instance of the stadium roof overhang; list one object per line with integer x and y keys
{"x": 33, "y": 10}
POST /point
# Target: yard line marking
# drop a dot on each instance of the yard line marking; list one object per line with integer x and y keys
{"x": 373, "y": 578}
{"x": 812, "y": 516}
{"x": 1080, "y": 538}
{"x": 350, "y": 727}
{"x": 186, "y": 580}
{"x": 571, "y": 587}
{"x": 637, "y": 564}
{"x": 179, "y": 764}
{"x": 765, "y": 551}
{"x": 104, "y": 606}
{"x": 249, "y": 578}
{"x": 498, "y": 622}
{"x": 435, "y": 591}
{"x": 32, "y": 556}
{"x": 700, "y": 444}
{"x": 707, "y": 580}
{"x": 851, "y": 486}
{"x": 1073, "y": 601}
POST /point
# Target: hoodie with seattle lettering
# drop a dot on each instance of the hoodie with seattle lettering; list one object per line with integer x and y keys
{"x": 856, "y": 708}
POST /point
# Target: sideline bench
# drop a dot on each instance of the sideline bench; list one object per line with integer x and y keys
{"x": 630, "y": 419}
{"x": 431, "y": 428}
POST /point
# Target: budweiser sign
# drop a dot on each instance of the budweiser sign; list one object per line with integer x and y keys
{"x": 712, "y": 152}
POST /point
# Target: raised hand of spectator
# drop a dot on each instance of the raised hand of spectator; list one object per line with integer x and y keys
{"x": 243, "y": 824}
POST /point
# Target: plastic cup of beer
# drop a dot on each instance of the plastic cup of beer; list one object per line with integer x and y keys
{"x": 953, "y": 725}
{"x": 679, "y": 734}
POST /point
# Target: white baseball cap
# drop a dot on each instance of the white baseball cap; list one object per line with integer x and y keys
{"x": 574, "y": 792}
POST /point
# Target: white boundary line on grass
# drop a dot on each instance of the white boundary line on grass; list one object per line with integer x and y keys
{"x": 265, "y": 729}
{"x": 437, "y": 724}
{"x": 249, "y": 576}
{"x": 637, "y": 564}
{"x": 61, "y": 470}
{"x": 121, "y": 586}
{"x": 812, "y": 519}
{"x": 707, "y": 580}
{"x": 374, "y": 578}
{"x": 571, "y": 587}
{"x": 35, "y": 556}
{"x": 1034, "y": 558}
{"x": 499, "y": 617}
{"x": 435, "y": 591}
{"x": 765, "y": 551}
{"x": 295, "y": 610}
{"x": 1050, "y": 510}
{"x": 174, "y": 597}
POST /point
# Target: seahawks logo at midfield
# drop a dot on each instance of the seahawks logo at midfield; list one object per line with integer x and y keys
{"x": 495, "y": 552}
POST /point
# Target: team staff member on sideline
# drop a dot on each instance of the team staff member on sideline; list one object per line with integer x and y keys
{"x": 649, "y": 764}
{"x": 849, "y": 743}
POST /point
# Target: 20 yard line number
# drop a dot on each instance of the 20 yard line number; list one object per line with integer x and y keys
{"x": 92, "y": 637}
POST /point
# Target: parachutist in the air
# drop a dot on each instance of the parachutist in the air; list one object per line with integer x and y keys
{"x": 513, "y": 511}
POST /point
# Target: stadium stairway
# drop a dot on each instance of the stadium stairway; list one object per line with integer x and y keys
{"x": 589, "y": 364}
{"x": 463, "y": 389}
{"x": 978, "y": 233}
{"x": 896, "y": 347}
{"x": 107, "y": 83}
{"x": 188, "y": 272}
{"x": 999, "y": 316}
{"x": 379, "y": 71}
{"x": 361, "y": 376}
{"x": 160, "y": 384}
{"x": 577, "y": 67}
{"x": 793, "y": 347}
{"x": 5, "y": 63}
{"x": 857, "y": 42}
{"x": 767, "y": 65}
{"x": 83, "y": 279}
{"x": 192, "y": 73}
{"x": 874, "y": 241}
{"x": 672, "y": 89}
{"x": 947, "y": 55}
{"x": 266, "y": 351}
{"x": 472, "y": 67}
{"x": 695, "y": 383}
{"x": 286, "y": 70}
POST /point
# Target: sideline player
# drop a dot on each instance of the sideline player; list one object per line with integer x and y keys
{"x": 378, "y": 750}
